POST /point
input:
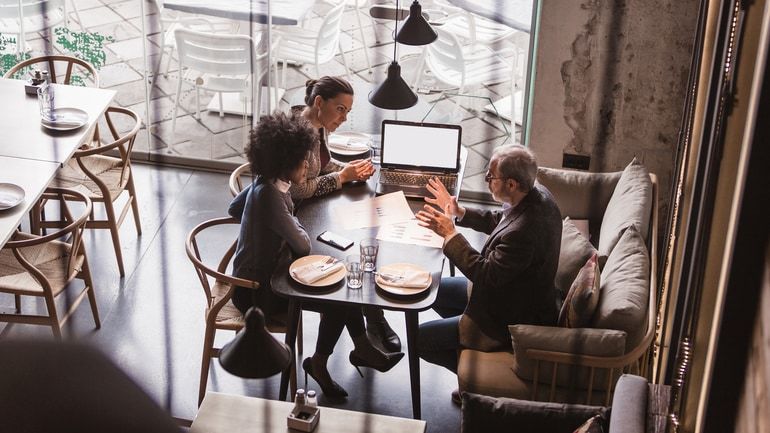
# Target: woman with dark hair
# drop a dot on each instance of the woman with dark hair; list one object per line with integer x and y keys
{"x": 278, "y": 153}
{"x": 328, "y": 100}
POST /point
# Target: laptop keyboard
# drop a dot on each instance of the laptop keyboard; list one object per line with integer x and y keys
{"x": 400, "y": 178}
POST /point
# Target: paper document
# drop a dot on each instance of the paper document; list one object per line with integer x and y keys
{"x": 374, "y": 212}
{"x": 409, "y": 232}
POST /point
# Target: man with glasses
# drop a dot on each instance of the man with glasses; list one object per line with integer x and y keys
{"x": 511, "y": 278}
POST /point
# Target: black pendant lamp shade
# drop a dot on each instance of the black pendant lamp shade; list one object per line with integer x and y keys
{"x": 416, "y": 30}
{"x": 393, "y": 93}
{"x": 254, "y": 353}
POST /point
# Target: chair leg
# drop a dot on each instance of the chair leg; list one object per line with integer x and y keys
{"x": 176, "y": 105}
{"x": 344, "y": 62}
{"x": 221, "y": 107}
{"x": 363, "y": 41}
{"x": 86, "y": 275}
{"x": 77, "y": 15}
{"x": 208, "y": 345}
{"x": 197, "y": 102}
{"x": 17, "y": 301}
{"x": 134, "y": 204}
{"x": 53, "y": 317}
{"x": 113, "y": 223}
{"x": 168, "y": 62}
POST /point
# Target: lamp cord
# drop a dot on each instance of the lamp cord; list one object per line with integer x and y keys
{"x": 395, "y": 32}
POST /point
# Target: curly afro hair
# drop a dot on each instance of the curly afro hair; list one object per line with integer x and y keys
{"x": 279, "y": 144}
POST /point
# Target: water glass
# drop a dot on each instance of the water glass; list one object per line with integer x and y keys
{"x": 45, "y": 97}
{"x": 369, "y": 249}
{"x": 355, "y": 275}
{"x": 374, "y": 152}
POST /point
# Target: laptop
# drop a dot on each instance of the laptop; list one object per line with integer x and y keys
{"x": 413, "y": 152}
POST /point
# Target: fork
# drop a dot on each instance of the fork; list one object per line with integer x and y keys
{"x": 331, "y": 261}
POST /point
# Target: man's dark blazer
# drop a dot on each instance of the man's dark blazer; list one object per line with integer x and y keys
{"x": 513, "y": 274}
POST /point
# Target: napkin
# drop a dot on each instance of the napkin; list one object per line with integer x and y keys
{"x": 347, "y": 143}
{"x": 407, "y": 279}
{"x": 8, "y": 199}
{"x": 312, "y": 272}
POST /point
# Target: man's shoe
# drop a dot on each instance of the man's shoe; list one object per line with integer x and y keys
{"x": 381, "y": 330}
{"x": 456, "y": 397}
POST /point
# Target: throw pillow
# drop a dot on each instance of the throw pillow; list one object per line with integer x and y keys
{"x": 630, "y": 204}
{"x": 486, "y": 414}
{"x": 583, "y": 296}
{"x": 579, "y": 194}
{"x": 593, "y": 425}
{"x": 625, "y": 289}
{"x": 575, "y": 250}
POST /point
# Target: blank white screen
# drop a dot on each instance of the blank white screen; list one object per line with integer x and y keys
{"x": 422, "y": 146}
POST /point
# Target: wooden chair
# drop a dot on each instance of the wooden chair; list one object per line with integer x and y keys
{"x": 220, "y": 313}
{"x": 44, "y": 266}
{"x": 104, "y": 178}
{"x": 237, "y": 177}
{"x": 59, "y": 67}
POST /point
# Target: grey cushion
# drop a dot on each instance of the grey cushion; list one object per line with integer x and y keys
{"x": 630, "y": 205}
{"x": 625, "y": 288}
{"x": 575, "y": 251}
{"x": 584, "y": 341}
{"x": 579, "y": 194}
{"x": 490, "y": 415}
{"x": 583, "y": 296}
{"x": 629, "y": 405}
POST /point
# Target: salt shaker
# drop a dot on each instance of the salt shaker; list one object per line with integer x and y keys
{"x": 299, "y": 398}
{"x": 311, "y": 399}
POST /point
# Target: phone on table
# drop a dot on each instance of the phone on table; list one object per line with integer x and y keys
{"x": 335, "y": 240}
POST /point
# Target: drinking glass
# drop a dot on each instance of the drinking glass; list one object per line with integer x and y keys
{"x": 374, "y": 152}
{"x": 45, "y": 97}
{"x": 355, "y": 275}
{"x": 369, "y": 249}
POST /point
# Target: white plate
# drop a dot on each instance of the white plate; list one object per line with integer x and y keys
{"x": 328, "y": 280}
{"x": 350, "y": 135}
{"x": 10, "y": 195}
{"x": 66, "y": 119}
{"x": 396, "y": 269}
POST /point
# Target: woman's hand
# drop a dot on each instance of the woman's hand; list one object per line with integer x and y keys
{"x": 360, "y": 169}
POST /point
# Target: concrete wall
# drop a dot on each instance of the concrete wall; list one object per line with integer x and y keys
{"x": 610, "y": 82}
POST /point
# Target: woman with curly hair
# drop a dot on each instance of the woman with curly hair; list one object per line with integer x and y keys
{"x": 278, "y": 151}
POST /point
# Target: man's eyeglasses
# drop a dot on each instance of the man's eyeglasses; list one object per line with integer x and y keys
{"x": 488, "y": 177}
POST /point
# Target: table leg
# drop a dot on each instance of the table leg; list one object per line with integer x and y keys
{"x": 291, "y": 339}
{"x": 412, "y": 330}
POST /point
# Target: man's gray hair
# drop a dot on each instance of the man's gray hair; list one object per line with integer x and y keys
{"x": 516, "y": 162}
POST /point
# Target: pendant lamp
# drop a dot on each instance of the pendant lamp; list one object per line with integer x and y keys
{"x": 254, "y": 353}
{"x": 416, "y": 30}
{"x": 393, "y": 93}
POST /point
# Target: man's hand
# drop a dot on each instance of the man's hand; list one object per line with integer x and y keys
{"x": 441, "y": 223}
{"x": 442, "y": 199}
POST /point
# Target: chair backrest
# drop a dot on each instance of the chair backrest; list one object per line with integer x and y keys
{"x": 71, "y": 234}
{"x": 62, "y": 69}
{"x": 445, "y": 58}
{"x": 122, "y": 141}
{"x": 215, "y": 53}
{"x": 29, "y": 8}
{"x": 205, "y": 271}
{"x": 236, "y": 178}
{"x": 329, "y": 33}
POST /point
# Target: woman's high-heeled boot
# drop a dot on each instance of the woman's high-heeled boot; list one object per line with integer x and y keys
{"x": 366, "y": 355}
{"x": 378, "y": 327}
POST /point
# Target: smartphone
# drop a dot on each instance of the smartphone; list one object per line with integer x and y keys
{"x": 335, "y": 240}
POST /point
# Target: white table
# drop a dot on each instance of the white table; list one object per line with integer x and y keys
{"x": 22, "y": 135}
{"x": 226, "y": 413}
{"x": 512, "y": 13}
{"x": 30, "y": 154}
{"x": 32, "y": 176}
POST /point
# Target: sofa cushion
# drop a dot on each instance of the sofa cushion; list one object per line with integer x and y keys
{"x": 579, "y": 194}
{"x": 629, "y": 405}
{"x": 481, "y": 413}
{"x": 625, "y": 288}
{"x": 630, "y": 204}
{"x": 578, "y": 341}
{"x": 583, "y": 296}
{"x": 575, "y": 251}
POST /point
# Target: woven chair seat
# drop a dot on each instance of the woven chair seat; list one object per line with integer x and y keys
{"x": 50, "y": 258}
{"x": 107, "y": 169}
{"x": 230, "y": 317}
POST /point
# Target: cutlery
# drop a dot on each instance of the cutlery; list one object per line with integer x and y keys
{"x": 331, "y": 261}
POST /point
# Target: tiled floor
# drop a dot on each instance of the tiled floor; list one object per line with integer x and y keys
{"x": 152, "y": 319}
{"x": 212, "y": 137}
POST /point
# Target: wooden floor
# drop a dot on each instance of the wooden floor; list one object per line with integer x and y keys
{"x": 152, "y": 320}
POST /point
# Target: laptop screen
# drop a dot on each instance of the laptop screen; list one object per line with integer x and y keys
{"x": 420, "y": 145}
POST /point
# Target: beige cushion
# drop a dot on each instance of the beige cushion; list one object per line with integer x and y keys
{"x": 583, "y": 296}
{"x": 625, "y": 288}
{"x": 580, "y": 195}
{"x": 630, "y": 205}
{"x": 582, "y": 341}
{"x": 575, "y": 251}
